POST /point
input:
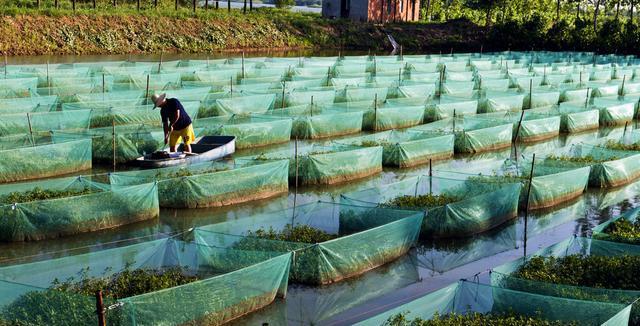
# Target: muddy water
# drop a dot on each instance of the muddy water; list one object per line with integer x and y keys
{"x": 432, "y": 265}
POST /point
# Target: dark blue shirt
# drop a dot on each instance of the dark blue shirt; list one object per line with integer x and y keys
{"x": 168, "y": 113}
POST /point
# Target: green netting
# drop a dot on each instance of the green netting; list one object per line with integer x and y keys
{"x": 614, "y": 112}
{"x": 156, "y": 82}
{"x": 28, "y": 104}
{"x": 527, "y": 126}
{"x": 473, "y": 135}
{"x": 198, "y": 94}
{"x": 604, "y": 89}
{"x": 429, "y": 77}
{"x": 135, "y": 96}
{"x": 600, "y": 231}
{"x": 476, "y": 205}
{"x": 461, "y": 88}
{"x": 459, "y": 66}
{"x": 601, "y": 75}
{"x": 555, "y": 79}
{"x": 44, "y": 160}
{"x": 407, "y": 148}
{"x": 416, "y": 90}
{"x": 105, "y": 84}
{"x": 231, "y": 283}
{"x": 356, "y": 94}
{"x": 366, "y": 238}
{"x": 502, "y": 275}
{"x": 104, "y": 206}
{"x": 212, "y": 184}
{"x": 609, "y": 168}
{"x": 550, "y": 185}
{"x": 130, "y": 142}
{"x": 250, "y": 131}
{"x": 495, "y": 101}
{"x": 525, "y": 83}
{"x": 303, "y": 97}
{"x": 574, "y": 117}
{"x": 243, "y": 104}
{"x": 467, "y": 297}
{"x": 138, "y": 114}
{"x": 312, "y": 122}
{"x": 380, "y": 116}
{"x": 423, "y": 67}
{"x": 45, "y": 76}
{"x": 329, "y": 164}
{"x": 540, "y": 98}
{"x": 629, "y": 88}
{"x": 18, "y": 87}
{"x": 494, "y": 84}
{"x": 571, "y": 94}
{"x": 446, "y": 105}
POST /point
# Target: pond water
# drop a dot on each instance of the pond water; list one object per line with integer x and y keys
{"x": 433, "y": 265}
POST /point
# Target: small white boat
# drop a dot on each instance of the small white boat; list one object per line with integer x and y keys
{"x": 207, "y": 148}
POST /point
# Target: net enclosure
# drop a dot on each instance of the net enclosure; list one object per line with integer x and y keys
{"x": 466, "y": 297}
{"x": 551, "y": 183}
{"x": 330, "y": 164}
{"x": 250, "y": 131}
{"x": 505, "y": 276}
{"x": 362, "y": 238}
{"x": 379, "y": 116}
{"x": 610, "y": 166}
{"x": 574, "y": 116}
{"x": 212, "y": 184}
{"x": 527, "y": 126}
{"x": 314, "y": 122}
{"x": 127, "y": 142}
{"x": 406, "y": 148}
{"x": 46, "y": 157}
{"x": 53, "y": 208}
{"x": 455, "y": 206}
{"x": 473, "y": 135}
{"x": 43, "y": 122}
{"x": 616, "y": 229}
{"x": 222, "y": 284}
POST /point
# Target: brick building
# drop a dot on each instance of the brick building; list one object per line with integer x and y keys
{"x": 372, "y": 10}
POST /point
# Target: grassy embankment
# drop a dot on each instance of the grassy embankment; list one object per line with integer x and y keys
{"x": 27, "y": 31}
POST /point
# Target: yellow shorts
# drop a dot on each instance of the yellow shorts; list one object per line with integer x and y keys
{"x": 187, "y": 135}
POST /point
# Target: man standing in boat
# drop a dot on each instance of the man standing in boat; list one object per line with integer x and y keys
{"x": 175, "y": 121}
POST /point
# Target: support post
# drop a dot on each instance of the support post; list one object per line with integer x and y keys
{"x": 147, "y": 91}
{"x": 311, "y": 111}
{"x": 231, "y": 85}
{"x": 295, "y": 193}
{"x": 242, "y": 64}
{"x": 328, "y": 75}
{"x": 284, "y": 87}
{"x": 103, "y": 85}
{"x": 229, "y": 5}
{"x": 530, "y": 94}
{"x": 399, "y": 76}
{"x": 100, "y": 309}
{"x": 430, "y": 179}
{"x": 454, "y": 120}
{"x": 526, "y": 212}
{"x": 586, "y": 102}
{"x": 6, "y": 64}
{"x": 30, "y": 128}
{"x": 626, "y": 124}
{"x": 622, "y": 87}
{"x": 113, "y": 140}
{"x": 518, "y": 130}
{"x": 375, "y": 111}
{"x": 160, "y": 63}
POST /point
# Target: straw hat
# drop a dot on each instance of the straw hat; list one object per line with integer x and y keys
{"x": 158, "y": 99}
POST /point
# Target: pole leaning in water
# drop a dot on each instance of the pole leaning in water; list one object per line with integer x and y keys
{"x": 526, "y": 211}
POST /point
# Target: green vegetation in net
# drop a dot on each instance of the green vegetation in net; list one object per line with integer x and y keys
{"x": 475, "y": 318}
{"x": 38, "y": 193}
{"x": 128, "y": 283}
{"x": 588, "y": 159}
{"x": 616, "y": 145}
{"x": 186, "y": 172}
{"x": 606, "y": 272}
{"x": 298, "y": 233}
{"x": 624, "y": 230}
{"x": 421, "y": 201}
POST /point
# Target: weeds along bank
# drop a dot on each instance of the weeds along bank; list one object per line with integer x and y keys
{"x": 30, "y": 32}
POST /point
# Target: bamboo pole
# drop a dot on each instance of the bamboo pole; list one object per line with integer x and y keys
{"x": 30, "y": 128}
{"x": 113, "y": 142}
{"x": 231, "y": 85}
{"x": 622, "y": 87}
{"x": 530, "y": 93}
{"x": 375, "y": 111}
{"x": 147, "y": 91}
{"x": 160, "y": 63}
{"x": 295, "y": 193}
{"x": 586, "y": 102}
{"x": 430, "y": 178}
{"x": 311, "y": 105}
{"x": 284, "y": 87}
{"x": 526, "y": 212}
{"x": 103, "y": 86}
{"x": 242, "y": 64}
{"x": 454, "y": 120}
{"x": 518, "y": 130}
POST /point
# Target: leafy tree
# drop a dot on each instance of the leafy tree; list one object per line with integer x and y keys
{"x": 485, "y": 5}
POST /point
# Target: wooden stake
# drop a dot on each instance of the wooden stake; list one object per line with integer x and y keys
{"x": 284, "y": 87}
{"x": 312, "y": 105}
{"x": 231, "y": 85}
{"x": 430, "y": 179}
{"x": 100, "y": 309}
{"x": 242, "y": 64}
{"x": 526, "y": 212}
{"x": 113, "y": 140}
{"x": 30, "y": 128}
{"x": 399, "y": 76}
{"x": 530, "y": 93}
{"x": 454, "y": 120}
{"x": 328, "y": 75}
{"x": 518, "y": 130}
{"x": 375, "y": 111}
{"x": 626, "y": 124}
{"x": 295, "y": 146}
{"x": 103, "y": 86}
{"x": 401, "y": 54}
{"x": 586, "y": 102}
{"x": 147, "y": 91}
{"x": 622, "y": 87}
{"x": 160, "y": 63}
